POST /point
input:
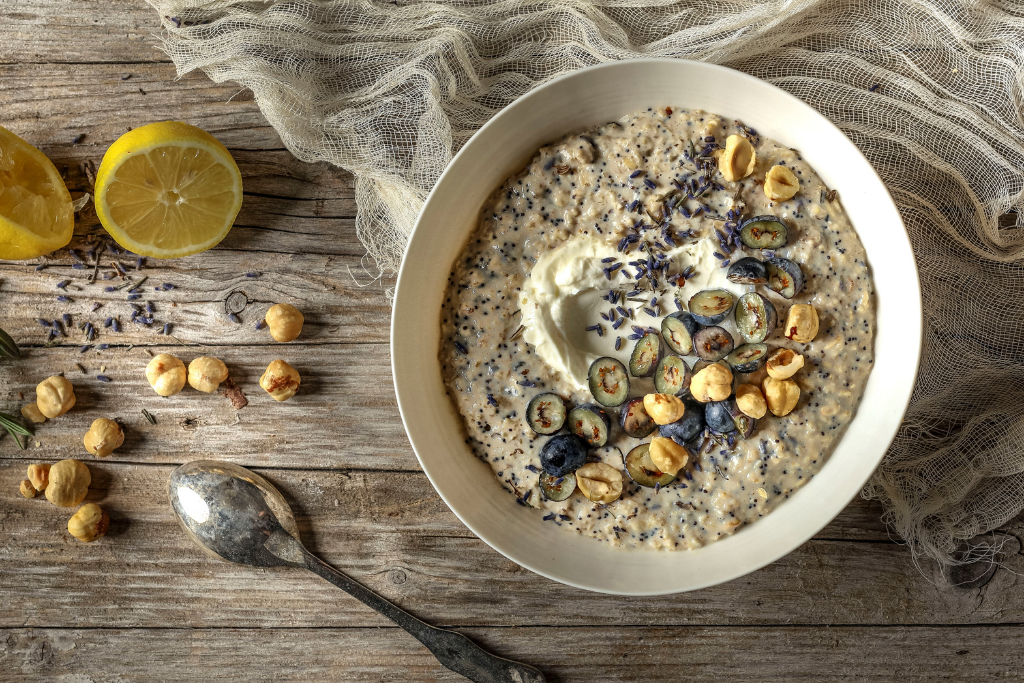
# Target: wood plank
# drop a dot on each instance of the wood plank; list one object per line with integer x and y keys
{"x": 390, "y": 531}
{"x": 659, "y": 654}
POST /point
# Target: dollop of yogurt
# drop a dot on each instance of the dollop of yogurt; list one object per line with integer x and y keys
{"x": 567, "y": 292}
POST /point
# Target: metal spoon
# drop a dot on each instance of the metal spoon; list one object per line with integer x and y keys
{"x": 238, "y": 516}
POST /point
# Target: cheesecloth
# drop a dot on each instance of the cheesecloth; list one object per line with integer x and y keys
{"x": 929, "y": 90}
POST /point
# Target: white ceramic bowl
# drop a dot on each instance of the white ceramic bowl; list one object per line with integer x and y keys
{"x": 572, "y": 103}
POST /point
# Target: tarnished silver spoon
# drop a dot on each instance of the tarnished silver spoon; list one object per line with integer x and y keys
{"x": 238, "y": 516}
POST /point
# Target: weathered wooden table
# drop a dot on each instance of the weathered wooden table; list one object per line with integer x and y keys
{"x": 144, "y": 604}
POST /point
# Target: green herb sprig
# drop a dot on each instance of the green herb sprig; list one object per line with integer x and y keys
{"x": 14, "y": 428}
{"x": 8, "y": 347}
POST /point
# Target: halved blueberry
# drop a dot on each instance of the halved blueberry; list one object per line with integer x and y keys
{"x": 557, "y": 488}
{"x": 748, "y": 358}
{"x": 688, "y": 426}
{"x": 545, "y": 413}
{"x": 590, "y": 423}
{"x": 784, "y": 277}
{"x": 634, "y": 420}
{"x": 718, "y": 417}
{"x": 711, "y": 306}
{"x": 645, "y": 355}
{"x": 563, "y": 454}
{"x": 713, "y": 344}
{"x": 609, "y": 383}
{"x": 678, "y": 330}
{"x": 672, "y": 376}
{"x": 642, "y": 470}
{"x": 748, "y": 271}
{"x": 756, "y": 317}
{"x": 764, "y": 232}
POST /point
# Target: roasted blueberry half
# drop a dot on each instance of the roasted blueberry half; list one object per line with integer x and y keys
{"x": 745, "y": 424}
{"x": 748, "y": 358}
{"x": 546, "y": 413}
{"x": 557, "y": 488}
{"x": 688, "y": 426}
{"x": 711, "y": 306}
{"x": 764, "y": 232}
{"x": 713, "y": 343}
{"x": 719, "y": 417}
{"x": 672, "y": 376}
{"x": 645, "y": 355}
{"x": 563, "y": 454}
{"x": 609, "y": 383}
{"x": 784, "y": 277}
{"x": 590, "y": 423}
{"x": 756, "y": 317}
{"x": 748, "y": 271}
{"x": 678, "y": 330}
{"x": 642, "y": 470}
{"x": 634, "y": 420}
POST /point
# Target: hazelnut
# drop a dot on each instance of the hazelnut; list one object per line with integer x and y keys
{"x": 27, "y": 489}
{"x": 739, "y": 158}
{"x": 284, "y": 321}
{"x": 205, "y": 374}
{"x": 667, "y": 455}
{"x": 166, "y": 374}
{"x": 783, "y": 363}
{"x": 802, "y": 323}
{"x": 750, "y": 401}
{"x": 69, "y": 482}
{"x": 280, "y": 380}
{"x": 664, "y": 408}
{"x": 103, "y": 437}
{"x": 89, "y": 523}
{"x": 713, "y": 383}
{"x": 782, "y": 395}
{"x": 780, "y": 183}
{"x": 32, "y": 413}
{"x": 599, "y": 482}
{"x": 55, "y": 396}
{"x": 39, "y": 475}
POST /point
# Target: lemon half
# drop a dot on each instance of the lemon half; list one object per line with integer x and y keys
{"x": 36, "y": 216}
{"x": 168, "y": 189}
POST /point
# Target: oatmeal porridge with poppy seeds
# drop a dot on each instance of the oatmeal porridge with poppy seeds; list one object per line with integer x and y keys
{"x": 659, "y": 330}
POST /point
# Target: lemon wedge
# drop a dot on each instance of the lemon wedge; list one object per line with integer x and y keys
{"x": 168, "y": 189}
{"x": 36, "y": 216}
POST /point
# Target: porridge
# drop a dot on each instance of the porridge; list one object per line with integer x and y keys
{"x": 659, "y": 329}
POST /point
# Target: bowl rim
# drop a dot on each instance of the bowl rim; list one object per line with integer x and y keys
{"x": 916, "y": 320}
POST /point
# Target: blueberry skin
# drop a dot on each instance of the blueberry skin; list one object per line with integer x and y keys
{"x": 719, "y": 417}
{"x": 563, "y": 454}
{"x": 688, "y": 426}
{"x": 687, "y": 320}
{"x": 748, "y": 271}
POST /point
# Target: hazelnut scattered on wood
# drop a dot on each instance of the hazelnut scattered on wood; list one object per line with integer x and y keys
{"x": 69, "y": 483}
{"x": 664, "y": 408}
{"x": 780, "y": 183}
{"x": 55, "y": 396}
{"x": 284, "y": 321}
{"x": 27, "y": 489}
{"x": 599, "y": 482}
{"x": 738, "y": 160}
{"x": 89, "y": 523}
{"x": 667, "y": 455}
{"x": 166, "y": 374}
{"x": 32, "y": 413}
{"x": 39, "y": 475}
{"x": 280, "y": 380}
{"x": 205, "y": 374}
{"x": 103, "y": 437}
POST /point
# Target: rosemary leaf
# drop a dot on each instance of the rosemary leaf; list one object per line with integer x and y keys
{"x": 8, "y": 347}
{"x": 149, "y": 416}
{"x": 10, "y": 423}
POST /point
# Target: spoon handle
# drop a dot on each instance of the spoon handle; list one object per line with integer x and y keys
{"x": 453, "y": 650}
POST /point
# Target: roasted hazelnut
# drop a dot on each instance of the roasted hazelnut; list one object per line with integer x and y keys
{"x": 664, "y": 408}
{"x": 783, "y": 363}
{"x": 599, "y": 482}
{"x": 667, "y": 455}
{"x": 780, "y": 183}
{"x": 782, "y": 395}
{"x": 103, "y": 437}
{"x": 89, "y": 523}
{"x": 280, "y": 380}
{"x": 284, "y": 321}
{"x": 166, "y": 374}
{"x": 69, "y": 483}
{"x": 713, "y": 383}
{"x": 55, "y": 396}
{"x": 750, "y": 401}
{"x": 802, "y": 323}
{"x": 27, "y": 489}
{"x": 32, "y": 413}
{"x": 39, "y": 475}
{"x": 739, "y": 158}
{"x": 205, "y": 374}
